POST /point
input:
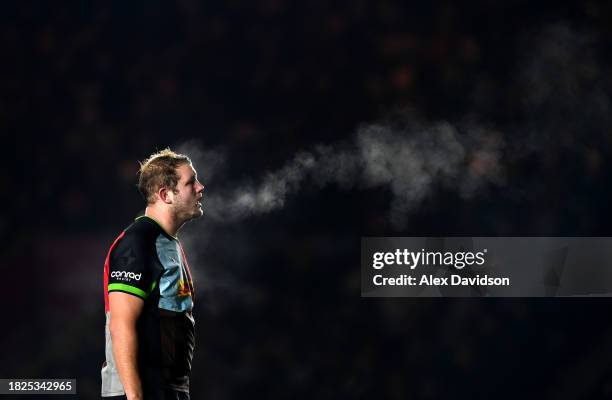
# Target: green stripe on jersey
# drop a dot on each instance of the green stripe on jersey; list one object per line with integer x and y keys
{"x": 127, "y": 288}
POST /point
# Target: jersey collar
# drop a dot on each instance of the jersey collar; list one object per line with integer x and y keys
{"x": 146, "y": 217}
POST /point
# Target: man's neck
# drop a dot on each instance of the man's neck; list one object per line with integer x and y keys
{"x": 166, "y": 221}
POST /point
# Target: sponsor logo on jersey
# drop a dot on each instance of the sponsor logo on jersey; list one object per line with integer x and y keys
{"x": 125, "y": 276}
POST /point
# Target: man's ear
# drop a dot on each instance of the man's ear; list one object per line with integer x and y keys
{"x": 167, "y": 196}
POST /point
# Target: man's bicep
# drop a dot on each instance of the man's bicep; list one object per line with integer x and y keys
{"x": 124, "y": 307}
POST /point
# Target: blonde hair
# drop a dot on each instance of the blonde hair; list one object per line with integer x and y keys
{"x": 159, "y": 170}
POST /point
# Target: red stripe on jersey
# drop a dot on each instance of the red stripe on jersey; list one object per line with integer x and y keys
{"x": 106, "y": 269}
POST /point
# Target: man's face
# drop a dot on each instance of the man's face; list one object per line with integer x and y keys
{"x": 188, "y": 194}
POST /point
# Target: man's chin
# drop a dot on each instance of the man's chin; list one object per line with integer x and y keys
{"x": 193, "y": 215}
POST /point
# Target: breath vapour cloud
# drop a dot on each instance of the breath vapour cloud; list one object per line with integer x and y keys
{"x": 407, "y": 161}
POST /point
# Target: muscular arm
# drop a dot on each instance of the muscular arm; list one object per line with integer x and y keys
{"x": 124, "y": 312}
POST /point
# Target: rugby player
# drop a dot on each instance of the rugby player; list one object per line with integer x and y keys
{"x": 148, "y": 288}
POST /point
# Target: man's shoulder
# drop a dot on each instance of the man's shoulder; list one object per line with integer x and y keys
{"x": 133, "y": 263}
{"x": 140, "y": 234}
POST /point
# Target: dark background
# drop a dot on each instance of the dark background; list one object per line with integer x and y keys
{"x": 89, "y": 88}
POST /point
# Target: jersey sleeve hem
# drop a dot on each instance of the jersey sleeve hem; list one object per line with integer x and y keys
{"x": 122, "y": 287}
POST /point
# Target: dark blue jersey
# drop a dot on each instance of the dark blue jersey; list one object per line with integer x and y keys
{"x": 147, "y": 262}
